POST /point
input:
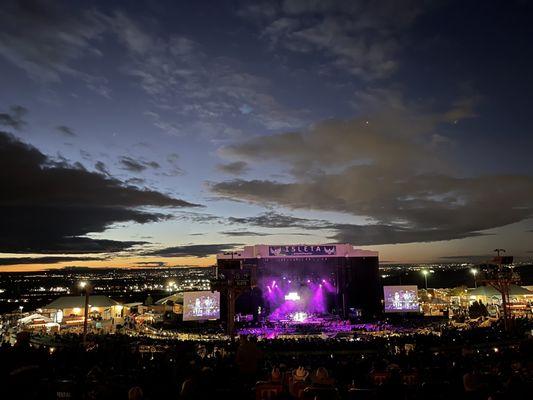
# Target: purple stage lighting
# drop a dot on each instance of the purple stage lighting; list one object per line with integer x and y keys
{"x": 318, "y": 301}
{"x": 329, "y": 287}
{"x": 284, "y": 298}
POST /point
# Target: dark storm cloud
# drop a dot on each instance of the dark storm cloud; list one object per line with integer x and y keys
{"x": 463, "y": 214}
{"x": 47, "y": 206}
{"x": 133, "y": 165}
{"x": 193, "y": 250}
{"x": 66, "y": 131}
{"x": 234, "y": 168}
{"x": 14, "y": 118}
{"x": 43, "y": 260}
{"x": 370, "y": 234}
{"x": 245, "y": 233}
{"x": 151, "y": 263}
{"x": 251, "y": 233}
{"x": 374, "y": 234}
{"x": 386, "y": 167}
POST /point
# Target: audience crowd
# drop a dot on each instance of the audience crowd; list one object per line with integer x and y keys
{"x": 481, "y": 363}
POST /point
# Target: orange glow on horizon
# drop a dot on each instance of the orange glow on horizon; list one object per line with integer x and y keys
{"x": 117, "y": 262}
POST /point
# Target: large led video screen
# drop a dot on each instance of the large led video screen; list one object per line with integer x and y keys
{"x": 401, "y": 299}
{"x": 198, "y": 306}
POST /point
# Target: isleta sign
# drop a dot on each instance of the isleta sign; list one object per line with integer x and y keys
{"x": 302, "y": 250}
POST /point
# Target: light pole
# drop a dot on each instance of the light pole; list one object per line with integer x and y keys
{"x": 474, "y": 272}
{"x": 498, "y": 251}
{"x": 425, "y": 272}
{"x": 85, "y": 286}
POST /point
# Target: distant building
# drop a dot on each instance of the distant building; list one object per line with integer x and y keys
{"x": 520, "y": 298}
{"x": 173, "y": 302}
{"x": 72, "y": 308}
{"x": 38, "y": 322}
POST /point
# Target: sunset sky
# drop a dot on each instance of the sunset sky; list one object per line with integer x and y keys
{"x": 140, "y": 134}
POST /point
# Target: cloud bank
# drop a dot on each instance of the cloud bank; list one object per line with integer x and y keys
{"x": 49, "y": 207}
{"x": 385, "y": 167}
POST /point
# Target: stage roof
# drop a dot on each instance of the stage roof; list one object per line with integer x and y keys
{"x": 297, "y": 251}
{"x": 79, "y": 301}
{"x": 489, "y": 291}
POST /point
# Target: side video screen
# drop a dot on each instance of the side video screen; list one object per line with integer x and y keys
{"x": 401, "y": 298}
{"x": 199, "y": 306}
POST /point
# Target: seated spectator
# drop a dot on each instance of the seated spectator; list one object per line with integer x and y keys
{"x": 270, "y": 389}
{"x": 248, "y": 357}
{"x": 393, "y": 387}
{"x": 473, "y": 384}
{"x": 135, "y": 393}
{"x": 298, "y": 381}
{"x": 321, "y": 378}
{"x": 322, "y": 386}
{"x": 275, "y": 377}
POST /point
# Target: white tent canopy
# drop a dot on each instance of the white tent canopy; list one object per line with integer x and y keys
{"x": 33, "y": 318}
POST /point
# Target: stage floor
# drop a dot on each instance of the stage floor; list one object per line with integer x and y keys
{"x": 298, "y": 324}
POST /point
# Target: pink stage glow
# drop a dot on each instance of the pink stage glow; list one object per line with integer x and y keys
{"x": 285, "y": 298}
